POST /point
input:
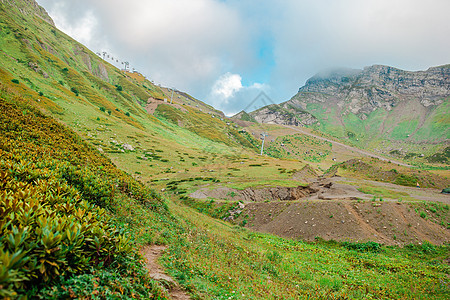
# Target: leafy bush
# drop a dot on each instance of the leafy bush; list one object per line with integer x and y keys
{"x": 48, "y": 231}
{"x": 425, "y": 248}
{"x": 54, "y": 224}
{"x": 16, "y": 81}
{"x": 74, "y": 90}
{"x": 363, "y": 247}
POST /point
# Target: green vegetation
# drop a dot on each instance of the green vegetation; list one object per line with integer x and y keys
{"x": 382, "y": 129}
{"x": 384, "y": 192}
{"x": 56, "y": 223}
{"x": 72, "y": 223}
{"x": 246, "y": 117}
{"x": 299, "y": 146}
{"x": 204, "y": 125}
{"x": 378, "y": 170}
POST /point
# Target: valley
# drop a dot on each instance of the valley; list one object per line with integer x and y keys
{"x": 99, "y": 171}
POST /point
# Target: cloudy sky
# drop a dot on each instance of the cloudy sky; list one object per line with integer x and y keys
{"x": 225, "y": 52}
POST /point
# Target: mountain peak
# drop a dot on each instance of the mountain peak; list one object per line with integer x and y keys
{"x": 29, "y": 7}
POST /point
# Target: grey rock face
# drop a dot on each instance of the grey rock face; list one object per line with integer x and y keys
{"x": 363, "y": 91}
{"x": 360, "y": 92}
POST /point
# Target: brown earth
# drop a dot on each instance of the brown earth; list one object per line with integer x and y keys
{"x": 152, "y": 104}
{"x": 151, "y": 255}
{"x": 390, "y": 223}
{"x": 333, "y": 210}
{"x": 320, "y": 189}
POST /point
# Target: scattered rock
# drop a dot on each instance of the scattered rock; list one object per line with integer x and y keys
{"x": 127, "y": 147}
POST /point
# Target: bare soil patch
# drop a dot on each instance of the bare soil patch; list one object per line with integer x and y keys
{"x": 330, "y": 209}
{"x": 389, "y": 223}
{"x": 320, "y": 189}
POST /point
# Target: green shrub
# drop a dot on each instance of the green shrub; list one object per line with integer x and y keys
{"x": 425, "y": 248}
{"x": 363, "y": 247}
{"x": 48, "y": 231}
{"x": 16, "y": 81}
{"x": 74, "y": 90}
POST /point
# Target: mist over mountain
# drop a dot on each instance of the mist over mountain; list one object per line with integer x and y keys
{"x": 377, "y": 102}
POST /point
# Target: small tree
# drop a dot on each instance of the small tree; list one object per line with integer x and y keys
{"x": 109, "y": 112}
{"x": 127, "y": 114}
{"x": 102, "y": 109}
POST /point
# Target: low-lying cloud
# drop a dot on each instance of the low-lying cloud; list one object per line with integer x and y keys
{"x": 202, "y": 46}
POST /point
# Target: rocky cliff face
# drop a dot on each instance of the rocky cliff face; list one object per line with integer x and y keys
{"x": 363, "y": 91}
{"x": 27, "y": 7}
{"x": 371, "y": 105}
{"x": 360, "y": 92}
{"x": 283, "y": 115}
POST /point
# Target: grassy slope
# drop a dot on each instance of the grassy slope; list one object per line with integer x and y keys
{"x": 213, "y": 259}
{"x": 374, "y": 169}
{"x": 388, "y": 129}
{"x": 210, "y": 258}
{"x": 59, "y": 228}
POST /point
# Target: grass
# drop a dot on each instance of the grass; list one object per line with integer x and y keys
{"x": 375, "y": 169}
{"x": 299, "y": 146}
{"x": 211, "y": 259}
{"x": 384, "y": 192}
{"x": 223, "y": 261}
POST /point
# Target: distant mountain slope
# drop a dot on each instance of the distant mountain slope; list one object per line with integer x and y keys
{"x": 77, "y": 86}
{"x": 370, "y": 105}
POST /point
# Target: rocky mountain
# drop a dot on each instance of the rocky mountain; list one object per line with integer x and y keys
{"x": 363, "y": 91}
{"x": 370, "y": 105}
{"x": 29, "y": 7}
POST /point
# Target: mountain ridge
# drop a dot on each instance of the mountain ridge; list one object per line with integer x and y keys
{"x": 379, "y": 107}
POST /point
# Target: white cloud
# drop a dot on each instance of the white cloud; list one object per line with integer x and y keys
{"x": 231, "y": 96}
{"x": 190, "y": 44}
{"x": 227, "y": 85}
{"x": 82, "y": 30}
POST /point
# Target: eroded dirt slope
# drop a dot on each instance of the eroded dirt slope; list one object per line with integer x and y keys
{"x": 390, "y": 223}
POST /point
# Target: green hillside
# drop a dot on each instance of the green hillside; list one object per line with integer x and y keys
{"x": 60, "y": 212}
{"x": 88, "y": 178}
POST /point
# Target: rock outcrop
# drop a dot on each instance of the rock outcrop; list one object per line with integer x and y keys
{"x": 360, "y": 92}
{"x": 363, "y": 91}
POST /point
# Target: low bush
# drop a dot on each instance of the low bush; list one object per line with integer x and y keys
{"x": 363, "y": 247}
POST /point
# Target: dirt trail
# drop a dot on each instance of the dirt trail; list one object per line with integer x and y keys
{"x": 151, "y": 255}
{"x": 347, "y": 146}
